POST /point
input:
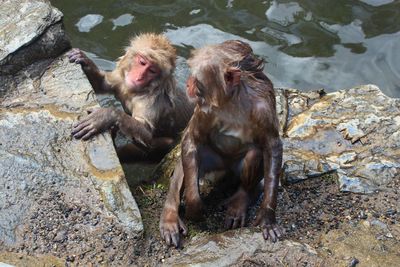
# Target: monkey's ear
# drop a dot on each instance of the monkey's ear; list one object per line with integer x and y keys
{"x": 232, "y": 80}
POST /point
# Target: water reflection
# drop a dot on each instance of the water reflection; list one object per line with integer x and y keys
{"x": 308, "y": 44}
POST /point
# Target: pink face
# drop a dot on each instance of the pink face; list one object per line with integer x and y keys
{"x": 141, "y": 73}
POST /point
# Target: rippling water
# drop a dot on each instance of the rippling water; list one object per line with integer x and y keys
{"x": 307, "y": 44}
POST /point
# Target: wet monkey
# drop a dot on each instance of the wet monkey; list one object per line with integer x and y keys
{"x": 234, "y": 128}
{"x": 155, "y": 111}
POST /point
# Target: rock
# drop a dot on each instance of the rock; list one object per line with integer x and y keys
{"x": 352, "y": 132}
{"x": 58, "y": 196}
{"x": 30, "y": 31}
{"x": 243, "y": 248}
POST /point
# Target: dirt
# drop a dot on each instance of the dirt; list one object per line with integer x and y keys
{"x": 314, "y": 212}
{"x": 307, "y": 211}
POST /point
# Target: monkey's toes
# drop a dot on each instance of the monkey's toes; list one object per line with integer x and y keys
{"x": 272, "y": 232}
{"x": 233, "y": 222}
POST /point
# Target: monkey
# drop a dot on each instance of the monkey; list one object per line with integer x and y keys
{"x": 235, "y": 128}
{"x": 155, "y": 110}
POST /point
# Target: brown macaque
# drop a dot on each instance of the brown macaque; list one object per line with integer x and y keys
{"x": 234, "y": 128}
{"x": 155, "y": 110}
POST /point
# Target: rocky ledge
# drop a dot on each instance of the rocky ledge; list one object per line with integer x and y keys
{"x": 61, "y": 199}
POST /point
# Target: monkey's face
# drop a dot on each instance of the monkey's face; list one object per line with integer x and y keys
{"x": 141, "y": 73}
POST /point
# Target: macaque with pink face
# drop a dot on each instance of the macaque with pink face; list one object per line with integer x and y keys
{"x": 155, "y": 110}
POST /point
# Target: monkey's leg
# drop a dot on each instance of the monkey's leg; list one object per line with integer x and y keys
{"x": 131, "y": 153}
{"x": 159, "y": 148}
{"x": 208, "y": 161}
{"x": 250, "y": 171}
{"x": 171, "y": 224}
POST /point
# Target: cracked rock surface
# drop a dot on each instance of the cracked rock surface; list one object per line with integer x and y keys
{"x": 61, "y": 200}
{"x": 355, "y": 133}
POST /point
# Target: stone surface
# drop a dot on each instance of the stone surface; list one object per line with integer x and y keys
{"x": 369, "y": 243}
{"x": 56, "y": 190}
{"x": 243, "y": 248}
{"x": 354, "y": 133}
{"x": 30, "y": 31}
{"x": 61, "y": 200}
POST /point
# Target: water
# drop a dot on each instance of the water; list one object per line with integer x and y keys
{"x": 307, "y": 44}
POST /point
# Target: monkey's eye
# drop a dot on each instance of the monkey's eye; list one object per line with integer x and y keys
{"x": 141, "y": 60}
{"x": 200, "y": 89}
{"x": 153, "y": 71}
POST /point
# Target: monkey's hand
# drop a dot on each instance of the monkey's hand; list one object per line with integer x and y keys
{"x": 77, "y": 56}
{"x": 171, "y": 226}
{"x": 266, "y": 219}
{"x": 96, "y": 122}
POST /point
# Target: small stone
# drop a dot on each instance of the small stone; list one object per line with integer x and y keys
{"x": 354, "y": 262}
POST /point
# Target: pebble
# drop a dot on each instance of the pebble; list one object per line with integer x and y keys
{"x": 354, "y": 262}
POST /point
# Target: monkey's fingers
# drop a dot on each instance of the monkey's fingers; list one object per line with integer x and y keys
{"x": 167, "y": 237}
{"x": 73, "y": 52}
{"x": 80, "y": 133}
{"x": 73, "y": 56}
{"x": 239, "y": 222}
{"x": 79, "y": 126}
{"x": 85, "y": 132}
{"x": 89, "y": 134}
{"x": 171, "y": 237}
{"x": 174, "y": 234}
{"x": 78, "y": 57}
{"x": 272, "y": 231}
{"x": 269, "y": 233}
{"x": 229, "y": 221}
{"x": 182, "y": 227}
{"x": 175, "y": 239}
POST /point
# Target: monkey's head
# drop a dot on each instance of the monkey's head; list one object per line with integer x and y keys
{"x": 149, "y": 61}
{"x": 214, "y": 75}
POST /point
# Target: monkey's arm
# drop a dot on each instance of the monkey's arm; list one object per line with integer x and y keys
{"x": 272, "y": 165}
{"x": 190, "y": 162}
{"x": 95, "y": 76}
{"x": 185, "y": 175}
{"x": 171, "y": 225}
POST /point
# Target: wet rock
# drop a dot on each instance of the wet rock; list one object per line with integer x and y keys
{"x": 58, "y": 196}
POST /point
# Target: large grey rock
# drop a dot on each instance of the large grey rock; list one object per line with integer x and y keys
{"x": 354, "y": 132}
{"x": 61, "y": 199}
{"x": 55, "y": 189}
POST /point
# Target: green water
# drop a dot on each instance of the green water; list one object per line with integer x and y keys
{"x": 309, "y": 44}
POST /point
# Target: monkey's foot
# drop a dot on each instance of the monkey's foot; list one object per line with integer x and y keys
{"x": 270, "y": 229}
{"x": 236, "y": 210}
{"x": 171, "y": 226}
